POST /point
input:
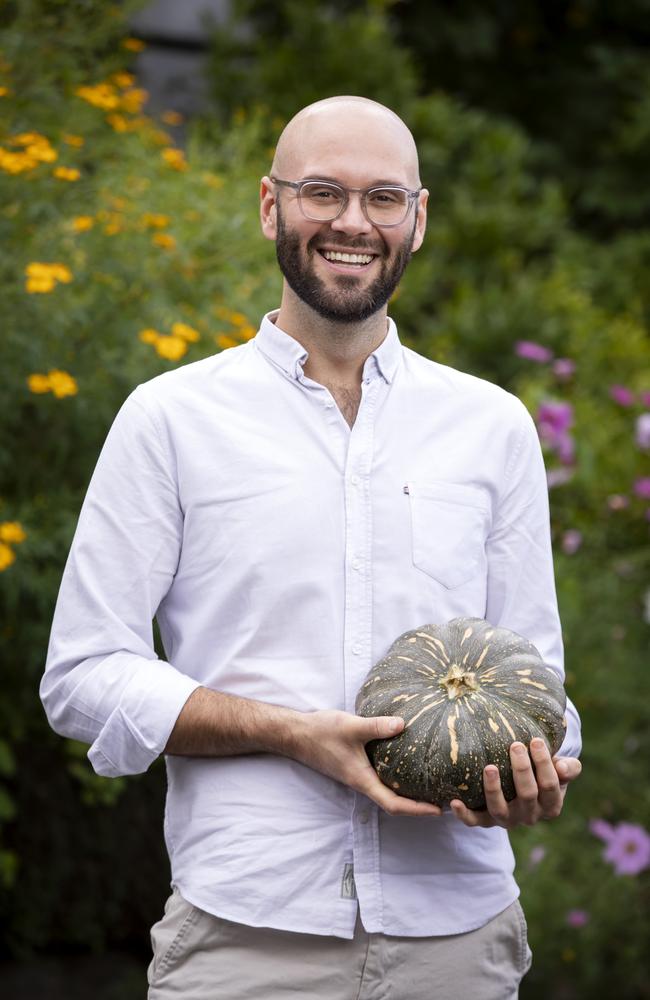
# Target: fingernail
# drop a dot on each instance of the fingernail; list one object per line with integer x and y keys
{"x": 562, "y": 769}
{"x": 519, "y": 749}
{"x": 394, "y": 725}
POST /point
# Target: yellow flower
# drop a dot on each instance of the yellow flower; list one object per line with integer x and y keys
{"x": 42, "y": 151}
{"x": 43, "y": 277}
{"x": 66, "y": 173}
{"x": 247, "y": 332}
{"x": 101, "y": 95}
{"x": 61, "y": 273}
{"x": 186, "y": 332}
{"x": 12, "y": 531}
{"x": 238, "y": 319}
{"x": 62, "y": 384}
{"x": 16, "y": 163}
{"x": 7, "y": 556}
{"x": 154, "y": 220}
{"x": 81, "y": 223}
{"x": 73, "y": 140}
{"x": 133, "y": 44}
{"x": 27, "y": 139}
{"x": 132, "y": 100}
{"x": 171, "y": 348}
{"x": 123, "y": 79}
{"x": 38, "y": 384}
{"x": 118, "y": 123}
{"x": 172, "y": 118}
{"x": 164, "y": 240}
{"x": 175, "y": 158}
{"x": 40, "y": 285}
{"x": 149, "y": 335}
{"x": 4, "y": 91}
{"x": 224, "y": 341}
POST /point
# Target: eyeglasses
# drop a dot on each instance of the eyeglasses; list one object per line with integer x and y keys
{"x": 325, "y": 201}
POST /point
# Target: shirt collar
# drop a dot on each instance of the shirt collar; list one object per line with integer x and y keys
{"x": 287, "y": 353}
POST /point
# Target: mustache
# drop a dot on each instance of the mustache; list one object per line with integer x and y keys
{"x": 349, "y": 243}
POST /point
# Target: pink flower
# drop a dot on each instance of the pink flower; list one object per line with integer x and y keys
{"x": 533, "y": 352}
{"x": 577, "y": 918}
{"x": 628, "y": 845}
{"x": 571, "y": 541}
{"x": 618, "y": 501}
{"x": 564, "y": 368}
{"x": 537, "y": 854}
{"x": 554, "y": 418}
{"x": 553, "y": 422}
{"x": 645, "y": 398}
{"x": 621, "y": 395}
{"x": 558, "y": 477}
{"x": 642, "y": 488}
{"x": 643, "y": 430}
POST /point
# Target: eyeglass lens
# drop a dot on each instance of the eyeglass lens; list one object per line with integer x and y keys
{"x": 384, "y": 206}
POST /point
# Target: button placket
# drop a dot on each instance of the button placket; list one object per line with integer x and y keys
{"x": 358, "y": 543}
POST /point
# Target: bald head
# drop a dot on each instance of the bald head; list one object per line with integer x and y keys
{"x": 340, "y": 126}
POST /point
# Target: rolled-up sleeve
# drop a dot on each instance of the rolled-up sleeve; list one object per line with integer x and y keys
{"x": 103, "y": 683}
{"x": 521, "y": 584}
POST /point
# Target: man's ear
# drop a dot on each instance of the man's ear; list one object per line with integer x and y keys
{"x": 421, "y": 220}
{"x": 268, "y": 209}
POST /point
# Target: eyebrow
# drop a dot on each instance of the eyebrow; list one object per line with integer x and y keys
{"x": 335, "y": 180}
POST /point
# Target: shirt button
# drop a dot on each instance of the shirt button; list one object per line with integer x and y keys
{"x": 356, "y": 564}
{"x": 355, "y": 480}
{"x": 364, "y": 816}
{"x": 356, "y": 649}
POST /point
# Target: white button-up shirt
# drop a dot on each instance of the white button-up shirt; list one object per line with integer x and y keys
{"x": 283, "y": 552}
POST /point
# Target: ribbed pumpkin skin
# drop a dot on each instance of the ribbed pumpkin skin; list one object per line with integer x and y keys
{"x": 466, "y": 691}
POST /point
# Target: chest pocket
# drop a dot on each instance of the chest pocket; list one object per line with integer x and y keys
{"x": 449, "y": 524}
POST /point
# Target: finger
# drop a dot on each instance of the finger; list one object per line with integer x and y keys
{"x": 471, "y": 817}
{"x": 548, "y": 783}
{"x": 522, "y": 771}
{"x": 379, "y": 727}
{"x": 495, "y": 802}
{"x": 567, "y": 768}
{"x": 396, "y": 805}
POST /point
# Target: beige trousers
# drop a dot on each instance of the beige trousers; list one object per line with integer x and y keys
{"x": 201, "y": 957}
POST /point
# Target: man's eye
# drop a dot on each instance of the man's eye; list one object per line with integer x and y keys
{"x": 385, "y": 197}
{"x": 322, "y": 194}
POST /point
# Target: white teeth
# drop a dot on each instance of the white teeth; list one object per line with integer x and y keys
{"x": 347, "y": 258}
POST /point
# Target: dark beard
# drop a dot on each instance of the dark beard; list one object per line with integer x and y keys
{"x": 346, "y": 303}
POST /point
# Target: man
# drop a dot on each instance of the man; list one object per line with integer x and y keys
{"x": 287, "y": 509}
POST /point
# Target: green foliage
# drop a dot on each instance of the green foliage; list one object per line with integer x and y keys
{"x": 317, "y": 50}
{"x": 145, "y": 239}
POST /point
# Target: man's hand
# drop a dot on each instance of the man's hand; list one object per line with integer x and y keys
{"x": 540, "y": 793}
{"x": 334, "y": 743}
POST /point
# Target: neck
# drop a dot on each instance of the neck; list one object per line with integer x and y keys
{"x": 337, "y": 351}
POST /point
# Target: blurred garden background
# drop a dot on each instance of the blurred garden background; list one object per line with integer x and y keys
{"x": 130, "y": 244}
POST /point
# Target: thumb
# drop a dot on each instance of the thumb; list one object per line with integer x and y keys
{"x": 382, "y": 727}
{"x": 568, "y": 768}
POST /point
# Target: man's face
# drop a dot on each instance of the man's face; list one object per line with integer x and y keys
{"x": 342, "y": 296}
{"x": 358, "y": 148}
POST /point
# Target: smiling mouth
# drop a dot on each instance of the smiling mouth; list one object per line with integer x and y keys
{"x": 351, "y": 259}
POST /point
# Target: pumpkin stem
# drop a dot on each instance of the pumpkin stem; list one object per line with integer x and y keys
{"x": 457, "y": 681}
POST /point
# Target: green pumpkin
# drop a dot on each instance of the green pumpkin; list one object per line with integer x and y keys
{"x": 466, "y": 691}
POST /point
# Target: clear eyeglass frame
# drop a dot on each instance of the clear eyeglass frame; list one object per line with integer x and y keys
{"x": 345, "y": 192}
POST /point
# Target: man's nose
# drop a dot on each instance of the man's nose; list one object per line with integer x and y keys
{"x": 352, "y": 218}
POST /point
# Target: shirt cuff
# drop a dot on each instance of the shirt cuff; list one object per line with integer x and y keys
{"x": 138, "y": 729}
